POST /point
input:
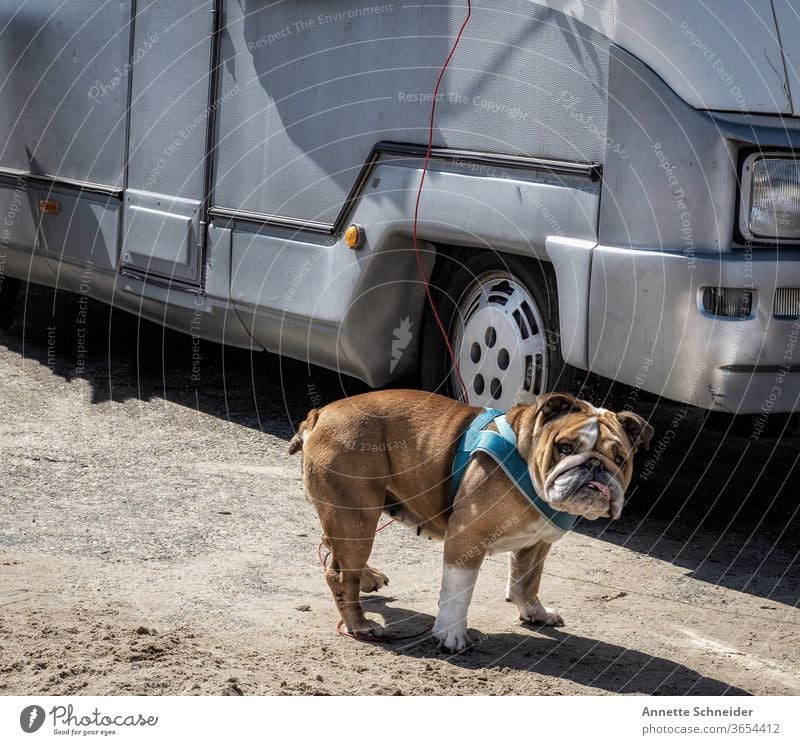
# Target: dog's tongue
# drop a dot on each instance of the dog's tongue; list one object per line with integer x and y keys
{"x": 602, "y": 488}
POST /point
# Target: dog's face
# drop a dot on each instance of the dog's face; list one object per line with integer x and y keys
{"x": 580, "y": 457}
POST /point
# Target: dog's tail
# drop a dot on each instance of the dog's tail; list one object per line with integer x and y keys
{"x": 296, "y": 443}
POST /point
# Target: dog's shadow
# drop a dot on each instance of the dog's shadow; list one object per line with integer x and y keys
{"x": 552, "y": 652}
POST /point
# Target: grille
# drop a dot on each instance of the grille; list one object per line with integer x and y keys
{"x": 787, "y": 302}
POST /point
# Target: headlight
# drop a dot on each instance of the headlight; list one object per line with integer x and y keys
{"x": 770, "y": 206}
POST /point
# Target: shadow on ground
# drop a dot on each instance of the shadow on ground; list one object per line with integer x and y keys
{"x": 123, "y": 357}
{"x": 723, "y": 504}
{"x": 554, "y": 653}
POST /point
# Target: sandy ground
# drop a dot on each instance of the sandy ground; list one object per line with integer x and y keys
{"x": 154, "y": 539}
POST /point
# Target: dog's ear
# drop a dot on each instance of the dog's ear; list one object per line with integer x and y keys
{"x": 637, "y": 428}
{"x": 550, "y": 405}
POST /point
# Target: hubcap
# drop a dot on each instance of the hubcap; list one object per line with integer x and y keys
{"x": 500, "y": 343}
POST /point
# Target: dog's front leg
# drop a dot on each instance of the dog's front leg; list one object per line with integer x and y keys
{"x": 524, "y": 576}
{"x": 461, "y": 566}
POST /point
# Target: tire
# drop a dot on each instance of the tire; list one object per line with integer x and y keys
{"x": 501, "y": 317}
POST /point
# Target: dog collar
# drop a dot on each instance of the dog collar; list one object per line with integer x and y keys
{"x": 501, "y": 446}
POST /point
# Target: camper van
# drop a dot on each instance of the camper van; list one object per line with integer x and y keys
{"x": 611, "y": 185}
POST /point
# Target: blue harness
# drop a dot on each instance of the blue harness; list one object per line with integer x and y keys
{"x": 501, "y": 446}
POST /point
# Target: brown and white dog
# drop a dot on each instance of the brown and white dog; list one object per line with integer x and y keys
{"x": 392, "y": 451}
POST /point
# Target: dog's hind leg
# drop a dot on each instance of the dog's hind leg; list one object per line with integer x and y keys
{"x": 373, "y": 579}
{"x": 350, "y": 542}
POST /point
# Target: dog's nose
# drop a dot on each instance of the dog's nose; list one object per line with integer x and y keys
{"x": 594, "y": 465}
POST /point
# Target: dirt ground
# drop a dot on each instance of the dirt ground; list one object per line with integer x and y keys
{"x": 154, "y": 539}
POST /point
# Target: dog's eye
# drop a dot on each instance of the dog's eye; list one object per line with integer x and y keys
{"x": 620, "y": 461}
{"x": 565, "y": 448}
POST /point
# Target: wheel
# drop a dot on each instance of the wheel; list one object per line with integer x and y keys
{"x": 501, "y": 317}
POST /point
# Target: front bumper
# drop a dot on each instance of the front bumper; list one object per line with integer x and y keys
{"x": 647, "y": 328}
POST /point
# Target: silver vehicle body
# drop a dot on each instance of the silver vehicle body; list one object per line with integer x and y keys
{"x": 206, "y": 157}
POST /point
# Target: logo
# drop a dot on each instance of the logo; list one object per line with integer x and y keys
{"x": 402, "y": 337}
{"x": 32, "y": 718}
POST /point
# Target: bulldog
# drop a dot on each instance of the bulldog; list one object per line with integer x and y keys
{"x": 393, "y": 451}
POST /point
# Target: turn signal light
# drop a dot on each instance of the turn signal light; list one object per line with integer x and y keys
{"x": 354, "y": 236}
{"x": 49, "y": 206}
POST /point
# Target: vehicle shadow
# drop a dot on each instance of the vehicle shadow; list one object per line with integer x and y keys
{"x": 555, "y": 653}
{"x": 722, "y": 505}
{"x": 121, "y": 357}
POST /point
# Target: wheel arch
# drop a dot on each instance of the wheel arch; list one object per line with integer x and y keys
{"x": 510, "y": 212}
{"x": 570, "y": 261}
{"x": 454, "y": 286}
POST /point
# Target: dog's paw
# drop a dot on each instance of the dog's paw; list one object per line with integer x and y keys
{"x": 367, "y": 629}
{"x": 540, "y": 614}
{"x": 372, "y": 580}
{"x": 452, "y": 639}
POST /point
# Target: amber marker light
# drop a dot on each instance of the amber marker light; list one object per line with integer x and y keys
{"x": 354, "y": 236}
{"x": 49, "y": 206}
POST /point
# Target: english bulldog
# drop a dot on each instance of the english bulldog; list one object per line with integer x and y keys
{"x": 392, "y": 452}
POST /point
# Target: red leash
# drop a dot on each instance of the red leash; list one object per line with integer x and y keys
{"x": 385, "y": 639}
{"x": 419, "y": 197}
{"x": 323, "y": 561}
